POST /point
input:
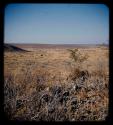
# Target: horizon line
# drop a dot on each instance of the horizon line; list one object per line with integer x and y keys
{"x": 63, "y": 43}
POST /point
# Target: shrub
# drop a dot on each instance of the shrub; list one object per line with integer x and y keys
{"x": 77, "y": 56}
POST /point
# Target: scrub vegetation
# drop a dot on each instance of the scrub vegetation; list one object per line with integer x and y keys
{"x": 62, "y": 84}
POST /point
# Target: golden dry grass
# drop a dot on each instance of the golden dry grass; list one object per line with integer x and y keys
{"x": 30, "y": 75}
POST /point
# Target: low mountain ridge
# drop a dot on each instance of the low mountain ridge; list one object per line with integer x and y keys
{"x": 11, "y": 48}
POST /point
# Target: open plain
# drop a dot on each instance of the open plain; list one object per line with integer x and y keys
{"x": 66, "y": 83}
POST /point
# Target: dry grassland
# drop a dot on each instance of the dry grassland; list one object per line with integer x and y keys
{"x": 49, "y": 85}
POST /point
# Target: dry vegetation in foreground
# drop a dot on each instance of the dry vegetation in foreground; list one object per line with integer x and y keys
{"x": 56, "y": 85}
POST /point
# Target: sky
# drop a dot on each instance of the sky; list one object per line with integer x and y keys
{"x": 56, "y": 23}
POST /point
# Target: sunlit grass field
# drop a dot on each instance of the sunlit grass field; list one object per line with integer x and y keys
{"x": 51, "y": 85}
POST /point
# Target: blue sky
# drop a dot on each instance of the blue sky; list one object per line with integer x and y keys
{"x": 56, "y": 23}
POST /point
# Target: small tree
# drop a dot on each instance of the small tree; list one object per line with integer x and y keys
{"x": 74, "y": 54}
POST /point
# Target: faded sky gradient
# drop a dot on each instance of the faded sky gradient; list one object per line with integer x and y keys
{"x": 56, "y": 23}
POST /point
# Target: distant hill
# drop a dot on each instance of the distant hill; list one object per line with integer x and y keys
{"x": 11, "y": 48}
{"x": 47, "y": 46}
